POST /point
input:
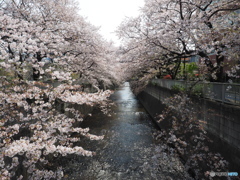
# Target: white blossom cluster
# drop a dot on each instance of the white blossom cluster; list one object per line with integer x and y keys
{"x": 61, "y": 76}
{"x": 49, "y": 131}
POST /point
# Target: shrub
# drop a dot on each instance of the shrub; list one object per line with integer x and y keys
{"x": 178, "y": 88}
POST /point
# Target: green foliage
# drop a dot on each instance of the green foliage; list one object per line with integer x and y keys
{"x": 178, "y": 88}
{"x": 189, "y": 70}
{"x": 197, "y": 90}
{"x": 193, "y": 90}
{"x": 153, "y": 83}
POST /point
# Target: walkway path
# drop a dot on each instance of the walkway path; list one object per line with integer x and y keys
{"x": 128, "y": 150}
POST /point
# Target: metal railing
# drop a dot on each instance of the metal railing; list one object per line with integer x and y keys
{"x": 224, "y": 92}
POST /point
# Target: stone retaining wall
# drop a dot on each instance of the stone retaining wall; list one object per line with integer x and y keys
{"x": 222, "y": 120}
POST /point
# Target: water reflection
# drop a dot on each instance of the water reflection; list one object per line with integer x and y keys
{"x": 126, "y": 93}
{"x": 128, "y": 147}
{"x": 125, "y": 99}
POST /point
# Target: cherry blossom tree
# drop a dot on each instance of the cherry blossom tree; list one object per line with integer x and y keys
{"x": 169, "y": 30}
{"x": 34, "y": 133}
{"x": 74, "y": 44}
{"x": 52, "y": 43}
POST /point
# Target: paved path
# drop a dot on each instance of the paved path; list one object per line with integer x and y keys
{"x": 128, "y": 150}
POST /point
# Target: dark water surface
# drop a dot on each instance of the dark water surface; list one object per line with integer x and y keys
{"x": 128, "y": 150}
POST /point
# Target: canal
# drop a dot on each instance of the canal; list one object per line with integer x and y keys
{"x": 129, "y": 150}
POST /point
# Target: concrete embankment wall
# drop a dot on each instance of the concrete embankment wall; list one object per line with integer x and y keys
{"x": 222, "y": 120}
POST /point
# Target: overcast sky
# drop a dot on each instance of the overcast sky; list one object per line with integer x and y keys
{"x": 109, "y": 14}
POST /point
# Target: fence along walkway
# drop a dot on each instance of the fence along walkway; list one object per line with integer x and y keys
{"x": 224, "y": 92}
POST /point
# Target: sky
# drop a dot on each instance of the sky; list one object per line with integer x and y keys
{"x": 108, "y": 14}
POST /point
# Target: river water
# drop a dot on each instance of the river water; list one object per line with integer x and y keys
{"x": 128, "y": 151}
